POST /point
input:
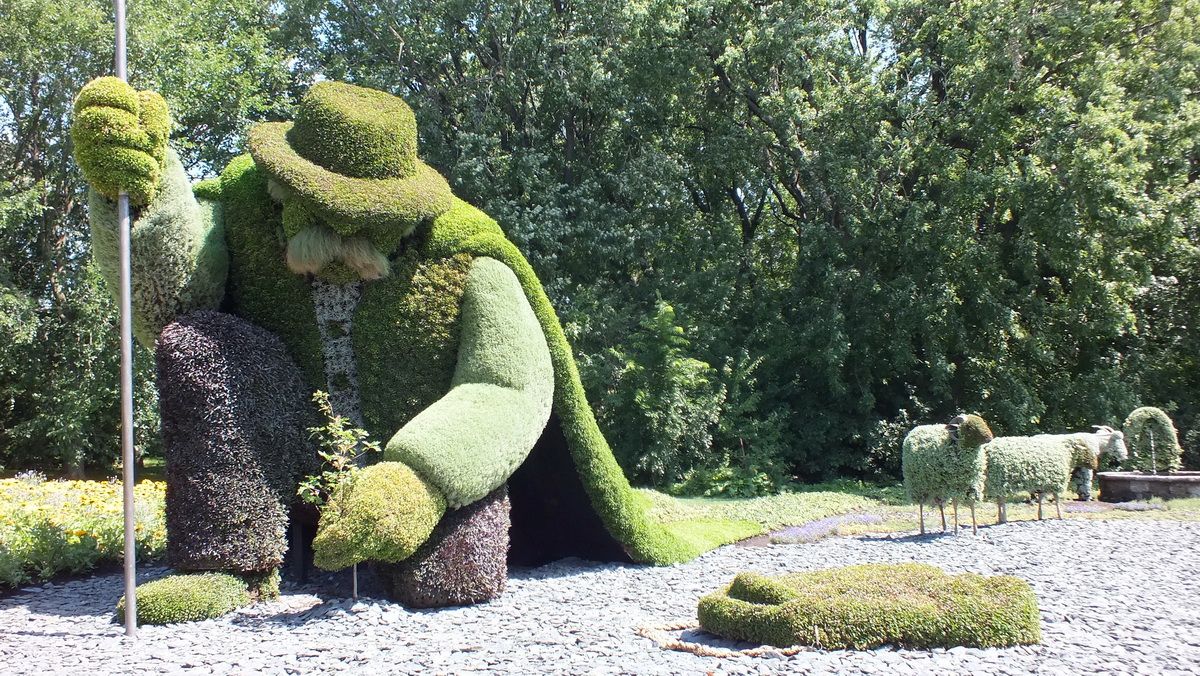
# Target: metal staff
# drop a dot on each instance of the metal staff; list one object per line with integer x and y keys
{"x": 126, "y": 368}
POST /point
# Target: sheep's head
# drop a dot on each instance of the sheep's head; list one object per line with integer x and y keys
{"x": 970, "y": 431}
{"x": 1112, "y": 442}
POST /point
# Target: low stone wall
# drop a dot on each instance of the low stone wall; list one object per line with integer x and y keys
{"x": 1126, "y": 486}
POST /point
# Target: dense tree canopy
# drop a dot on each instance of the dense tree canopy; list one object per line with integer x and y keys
{"x": 860, "y": 214}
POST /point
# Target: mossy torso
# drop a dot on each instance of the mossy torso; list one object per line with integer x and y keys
{"x": 406, "y": 326}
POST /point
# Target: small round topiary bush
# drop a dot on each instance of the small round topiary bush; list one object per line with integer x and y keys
{"x": 1152, "y": 441}
{"x": 860, "y": 607}
{"x": 188, "y": 598}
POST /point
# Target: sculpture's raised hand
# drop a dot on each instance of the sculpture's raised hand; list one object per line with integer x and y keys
{"x": 120, "y": 137}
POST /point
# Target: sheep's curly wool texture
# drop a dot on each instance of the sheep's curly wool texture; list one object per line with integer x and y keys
{"x": 463, "y": 562}
{"x": 1149, "y": 425}
{"x": 234, "y": 418}
{"x": 1024, "y": 465}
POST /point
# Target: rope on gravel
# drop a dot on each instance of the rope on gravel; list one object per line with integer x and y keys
{"x": 666, "y": 636}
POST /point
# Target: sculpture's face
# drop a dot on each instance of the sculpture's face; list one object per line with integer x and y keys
{"x": 1116, "y": 446}
{"x": 315, "y": 248}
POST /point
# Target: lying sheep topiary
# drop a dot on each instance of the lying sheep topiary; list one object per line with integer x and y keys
{"x": 1042, "y": 465}
{"x": 945, "y": 463}
{"x": 861, "y": 607}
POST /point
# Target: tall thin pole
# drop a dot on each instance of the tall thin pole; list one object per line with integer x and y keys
{"x": 126, "y": 370}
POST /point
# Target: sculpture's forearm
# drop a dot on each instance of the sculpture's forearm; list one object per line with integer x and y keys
{"x": 470, "y": 441}
{"x": 178, "y": 255}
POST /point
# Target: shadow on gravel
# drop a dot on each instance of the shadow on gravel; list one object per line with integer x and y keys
{"x": 90, "y": 597}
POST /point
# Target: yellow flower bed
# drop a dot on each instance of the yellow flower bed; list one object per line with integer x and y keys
{"x": 53, "y": 527}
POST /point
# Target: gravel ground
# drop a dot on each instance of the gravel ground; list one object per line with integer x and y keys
{"x": 1115, "y": 596}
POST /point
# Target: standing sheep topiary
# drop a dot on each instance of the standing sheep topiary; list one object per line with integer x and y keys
{"x": 1153, "y": 441}
{"x": 1043, "y": 464}
{"x": 945, "y": 463}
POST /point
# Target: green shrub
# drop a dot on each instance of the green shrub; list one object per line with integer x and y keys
{"x": 120, "y": 138}
{"x": 381, "y": 513}
{"x": 1152, "y": 441}
{"x": 188, "y": 598}
{"x": 860, "y": 607}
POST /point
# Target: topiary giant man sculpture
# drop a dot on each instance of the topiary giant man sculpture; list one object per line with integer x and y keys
{"x": 330, "y": 257}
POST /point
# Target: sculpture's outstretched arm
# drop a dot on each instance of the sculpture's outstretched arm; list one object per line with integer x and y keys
{"x": 471, "y": 440}
{"x": 178, "y": 254}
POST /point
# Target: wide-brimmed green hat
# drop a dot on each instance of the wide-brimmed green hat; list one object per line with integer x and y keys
{"x": 351, "y": 155}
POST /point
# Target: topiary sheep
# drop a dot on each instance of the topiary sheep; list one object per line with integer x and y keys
{"x": 408, "y": 305}
{"x": 945, "y": 463}
{"x": 1042, "y": 465}
{"x": 912, "y": 605}
{"x": 1153, "y": 441}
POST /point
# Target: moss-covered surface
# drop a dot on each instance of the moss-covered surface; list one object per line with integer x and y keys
{"x": 381, "y": 513}
{"x": 179, "y": 259}
{"x": 1023, "y": 465}
{"x": 867, "y": 606}
{"x": 470, "y": 440}
{"x": 355, "y": 131}
{"x": 384, "y": 210}
{"x": 465, "y": 229}
{"x": 1146, "y": 427}
{"x": 406, "y": 332}
{"x": 120, "y": 137}
{"x": 260, "y": 286}
{"x": 188, "y": 598}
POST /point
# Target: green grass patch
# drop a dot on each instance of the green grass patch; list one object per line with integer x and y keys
{"x": 860, "y": 607}
{"x": 767, "y": 513}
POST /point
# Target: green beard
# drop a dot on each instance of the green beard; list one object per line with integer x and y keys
{"x": 316, "y": 248}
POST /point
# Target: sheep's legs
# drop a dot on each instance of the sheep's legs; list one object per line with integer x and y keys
{"x": 974, "y": 528}
{"x": 1039, "y": 506}
{"x": 1058, "y": 505}
{"x": 921, "y": 515}
{"x": 942, "y": 509}
{"x": 956, "y": 516}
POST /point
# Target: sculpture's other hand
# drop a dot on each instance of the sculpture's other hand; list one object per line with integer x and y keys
{"x": 120, "y": 137}
{"x": 383, "y": 512}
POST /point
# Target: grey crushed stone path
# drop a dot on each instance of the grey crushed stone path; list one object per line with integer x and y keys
{"x": 1116, "y": 597}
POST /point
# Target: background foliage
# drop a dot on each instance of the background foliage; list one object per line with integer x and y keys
{"x": 860, "y": 214}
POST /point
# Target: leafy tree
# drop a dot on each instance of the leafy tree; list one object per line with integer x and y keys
{"x": 58, "y": 374}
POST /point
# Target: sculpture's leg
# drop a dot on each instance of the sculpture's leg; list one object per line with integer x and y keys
{"x": 1058, "y": 504}
{"x": 942, "y": 511}
{"x": 235, "y": 414}
{"x": 974, "y": 526}
{"x": 1039, "y": 505}
{"x": 463, "y": 562}
{"x": 921, "y": 516}
{"x": 956, "y": 516}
